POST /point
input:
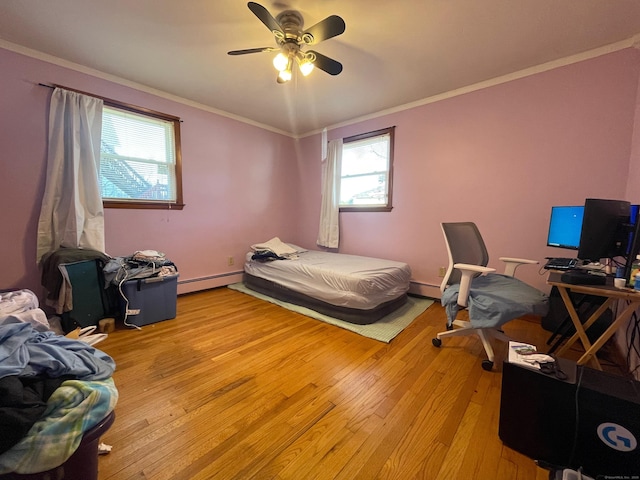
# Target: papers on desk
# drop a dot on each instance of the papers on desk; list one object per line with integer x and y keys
{"x": 516, "y": 350}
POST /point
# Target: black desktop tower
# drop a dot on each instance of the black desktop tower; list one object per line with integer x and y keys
{"x": 537, "y": 412}
{"x": 590, "y": 420}
{"x": 608, "y": 433}
{"x": 558, "y": 321}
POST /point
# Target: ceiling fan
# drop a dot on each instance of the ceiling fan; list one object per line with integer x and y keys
{"x": 287, "y": 28}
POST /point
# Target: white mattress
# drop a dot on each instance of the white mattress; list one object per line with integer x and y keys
{"x": 339, "y": 279}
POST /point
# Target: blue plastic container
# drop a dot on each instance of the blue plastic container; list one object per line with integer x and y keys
{"x": 150, "y": 300}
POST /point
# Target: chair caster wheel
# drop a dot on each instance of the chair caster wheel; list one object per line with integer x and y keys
{"x": 436, "y": 342}
{"x": 449, "y": 327}
{"x": 487, "y": 365}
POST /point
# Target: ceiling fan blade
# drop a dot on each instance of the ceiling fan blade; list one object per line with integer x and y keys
{"x": 264, "y": 16}
{"x": 328, "y": 28}
{"x": 251, "y": 50}
{"x": 329, "y": 65}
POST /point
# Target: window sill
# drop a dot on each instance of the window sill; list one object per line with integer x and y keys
{"x": 385, "y": 208}
{"x": 143, "y": 205}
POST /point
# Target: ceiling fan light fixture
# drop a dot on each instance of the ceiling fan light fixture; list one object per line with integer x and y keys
{"x": 306, "y": 67}
{"x": 285, "y": 75}
{"x": 305, "y": 63}
{"x": 280, "y": 62}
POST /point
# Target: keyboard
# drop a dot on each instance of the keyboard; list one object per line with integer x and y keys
{"x": 561, "y": 263}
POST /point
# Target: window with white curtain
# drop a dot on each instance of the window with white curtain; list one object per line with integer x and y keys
{"x": 366, "y": 175}
{"x": 140, "y": 163}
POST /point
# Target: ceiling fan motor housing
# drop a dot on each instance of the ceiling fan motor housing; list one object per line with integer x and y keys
{"x": 292, "y": 22}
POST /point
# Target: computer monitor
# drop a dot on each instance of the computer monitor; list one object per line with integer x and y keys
{"x": 565, "y": 225}
{"x": 605, "y": 229}
{"x": 634, "y": 240}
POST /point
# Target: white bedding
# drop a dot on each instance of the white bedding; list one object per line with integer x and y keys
{"x": 339, "y": 279}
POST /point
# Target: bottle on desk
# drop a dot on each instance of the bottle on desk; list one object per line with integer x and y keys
{"x": 634, "y": 277}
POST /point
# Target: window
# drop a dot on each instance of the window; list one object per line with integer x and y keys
{"x": 140, "y": 163}
{"x": 366, "y": 177}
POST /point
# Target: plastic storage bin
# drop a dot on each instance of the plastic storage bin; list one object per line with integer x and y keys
{"x": 150, "y": 300}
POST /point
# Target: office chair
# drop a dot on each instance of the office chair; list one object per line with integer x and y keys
{"x": 491, "y": 299}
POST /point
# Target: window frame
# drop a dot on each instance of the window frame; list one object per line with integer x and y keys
{"x": 374, "y": 208}
{"x": 178, "y": 204}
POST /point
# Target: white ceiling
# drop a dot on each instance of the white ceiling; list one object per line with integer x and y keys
{"x": 394, "y": 52}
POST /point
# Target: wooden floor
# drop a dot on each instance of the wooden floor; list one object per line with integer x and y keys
{"x": 238, "y": 388}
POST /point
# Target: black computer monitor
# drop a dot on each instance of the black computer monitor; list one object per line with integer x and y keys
{"x": 565, "y": 225}
{"x": 605, "y": 229}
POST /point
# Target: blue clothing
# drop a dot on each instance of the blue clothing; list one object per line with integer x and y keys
{"x": 496, "y": 299}
{"x": 26, "y": 352}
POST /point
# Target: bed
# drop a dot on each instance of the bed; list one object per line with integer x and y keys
{"x": 352, "y": 288}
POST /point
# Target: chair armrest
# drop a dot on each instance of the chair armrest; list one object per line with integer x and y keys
{"x": 512, "y": 263}
{"x": 468, "y": 272}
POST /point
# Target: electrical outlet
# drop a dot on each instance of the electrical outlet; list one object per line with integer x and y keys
{"x": 230, "y": 261}
{"x": 442, "y": 271}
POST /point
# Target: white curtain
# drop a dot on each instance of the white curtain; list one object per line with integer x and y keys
{"x": 71, "y": 214}
{"x": 329, "y": 234}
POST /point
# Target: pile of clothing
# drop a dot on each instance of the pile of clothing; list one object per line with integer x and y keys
{"x": 52, "y": 388}
{"x": 142, "y": 264}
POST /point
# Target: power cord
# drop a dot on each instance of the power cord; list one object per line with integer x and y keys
{"x": 126, "y": 300}
{"x": 633, "y": 334}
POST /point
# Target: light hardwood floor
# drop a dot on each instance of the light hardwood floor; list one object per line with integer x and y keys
{"x": 238, "y": 388}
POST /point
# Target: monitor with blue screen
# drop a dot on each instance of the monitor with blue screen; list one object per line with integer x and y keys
{"x": 565, "y": 226}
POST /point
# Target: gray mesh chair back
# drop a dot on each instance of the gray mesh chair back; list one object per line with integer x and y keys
{"x": 465, "y": 245}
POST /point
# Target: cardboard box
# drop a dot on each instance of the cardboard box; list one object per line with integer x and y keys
{"x": 150, "y": 300}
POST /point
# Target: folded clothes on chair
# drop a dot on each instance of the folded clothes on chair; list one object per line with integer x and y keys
{"x": 496, "y": 299}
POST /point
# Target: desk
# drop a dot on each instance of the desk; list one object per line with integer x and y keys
{"x": 611, "y": 294}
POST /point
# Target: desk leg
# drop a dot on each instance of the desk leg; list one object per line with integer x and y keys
{"x": 581, "y": 329}
{"x": 624, "y": 316}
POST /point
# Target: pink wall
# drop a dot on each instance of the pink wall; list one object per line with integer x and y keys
{"x": 633, "y": 180}
{"x": 237, "y": 180}
{"x": 501, "y": 157}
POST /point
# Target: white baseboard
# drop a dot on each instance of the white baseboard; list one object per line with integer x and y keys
{"x": 424, "y": 289}
{"x": 205, "y": 283}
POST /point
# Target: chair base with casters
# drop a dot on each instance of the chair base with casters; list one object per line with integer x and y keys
{"x": 491, "y": 299}
{"x": 485, "y": 334}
